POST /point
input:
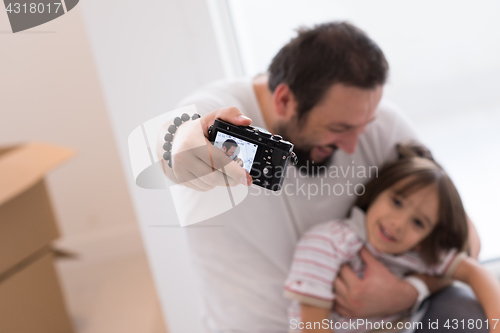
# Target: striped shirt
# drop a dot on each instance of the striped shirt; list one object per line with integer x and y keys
{"x": 322, "y": 251}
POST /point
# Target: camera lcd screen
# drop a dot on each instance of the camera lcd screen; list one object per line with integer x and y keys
{"x": 240, "y": 151}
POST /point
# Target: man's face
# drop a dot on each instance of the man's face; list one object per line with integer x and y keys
{"x": 336, "y": 122}
{"x": 229, "y": 152}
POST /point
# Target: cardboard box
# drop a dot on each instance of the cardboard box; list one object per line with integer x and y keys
{"x": 31, "y": 300}
{"x": 29, "y": 290}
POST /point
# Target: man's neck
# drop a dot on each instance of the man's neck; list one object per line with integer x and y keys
{"x": 265, "y": 100}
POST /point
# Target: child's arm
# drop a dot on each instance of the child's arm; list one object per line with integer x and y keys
{"x": 486, "y": 287}
{"x": 311, "y": 314}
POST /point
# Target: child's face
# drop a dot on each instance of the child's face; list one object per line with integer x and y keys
{"x": 396, "y": 224}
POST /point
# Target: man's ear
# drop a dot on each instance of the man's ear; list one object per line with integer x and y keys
{"x": 284, "y": 102}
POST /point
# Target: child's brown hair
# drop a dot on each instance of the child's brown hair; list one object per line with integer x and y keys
{"x": 416, "y": 163}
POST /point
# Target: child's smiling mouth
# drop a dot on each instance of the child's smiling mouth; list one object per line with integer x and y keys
{"x": 385, "y": 235}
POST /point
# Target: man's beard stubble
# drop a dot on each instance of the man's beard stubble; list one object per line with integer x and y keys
{"x": 306, "y": 166}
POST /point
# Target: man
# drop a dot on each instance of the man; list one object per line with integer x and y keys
{"x": 322, "y": 93}
{"x": 229, "y": 147}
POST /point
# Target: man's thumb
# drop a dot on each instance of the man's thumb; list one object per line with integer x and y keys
{"x": 231, "y": 115}
{"x": 234, "y": 116}
{"x": 367, "y": 257}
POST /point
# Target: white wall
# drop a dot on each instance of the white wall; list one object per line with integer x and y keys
{"x": 49, "y": 91}
{"x": 149, "y": 55}
{"x": 426, "y": 42}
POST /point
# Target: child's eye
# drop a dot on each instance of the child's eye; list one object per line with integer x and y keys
{"x": 397, "y": 202}
{"x": 418, "y": 223}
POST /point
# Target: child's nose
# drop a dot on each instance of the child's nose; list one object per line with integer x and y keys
{"x": 399, "y": 223}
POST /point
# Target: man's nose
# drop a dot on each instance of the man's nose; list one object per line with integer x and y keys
{"x": 349, "y": 142}
{"x": 351, "y": 139}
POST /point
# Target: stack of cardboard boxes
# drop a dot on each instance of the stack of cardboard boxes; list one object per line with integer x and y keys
{"x": 30, "y": 295}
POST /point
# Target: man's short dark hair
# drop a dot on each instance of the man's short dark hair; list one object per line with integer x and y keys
{"x": 229, "y": 143}
{"x": 329, "y": 53}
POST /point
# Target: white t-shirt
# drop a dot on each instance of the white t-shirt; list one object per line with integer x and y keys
{"x": 326, "y": 247}
{"x": 243, "y": 255}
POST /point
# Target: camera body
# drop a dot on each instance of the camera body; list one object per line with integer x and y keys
{"x": 265, "y": 156}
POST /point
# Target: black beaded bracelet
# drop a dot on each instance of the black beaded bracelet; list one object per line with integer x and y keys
{"x": 169, "y": 137}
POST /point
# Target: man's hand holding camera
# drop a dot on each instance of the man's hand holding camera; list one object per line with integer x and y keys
{"x": 195, "y": 162}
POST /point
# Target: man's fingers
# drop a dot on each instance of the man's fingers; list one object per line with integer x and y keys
{"x": 207, "y": 164}
{"x": 222, "y": 162}
{"x": 341, "y": 292}
{"x": 194, "y": 152}
{"x": 234, "y": 116}
{"x": 348, "y": 276}
{"x": 206, "y": 159}
{"x": 368, "y": 258}
{"x": 200, "y": 183}
{"x": 200, "y": 171}
{"x": 341, "y": 310}
{"x": 231, "y": 115}
{"x": 339, "y": 288}
{"x": 194, "y": 187}
{"x": 218, "y": 178}
{"x": 196, "y": 161}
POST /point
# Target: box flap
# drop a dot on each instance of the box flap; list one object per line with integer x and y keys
{"x": 3, "y": 150}
{"x": 23, "y": 166}
{"x": 27, "y": 224}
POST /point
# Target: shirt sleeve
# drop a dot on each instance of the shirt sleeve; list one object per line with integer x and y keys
{"x": 204, "y": 102}
{"x": 217, "y": 95}
{"x": 448, "y": 263}
{"x": 317, "y": 259}
{"x": 390, "y": 127}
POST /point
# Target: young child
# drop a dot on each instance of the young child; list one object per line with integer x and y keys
{"x": 412, "y": 219}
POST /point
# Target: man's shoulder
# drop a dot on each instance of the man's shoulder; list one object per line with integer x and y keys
{"x": 389, "y": 114}
{"x": 390, "y": 127}
{"x": 234, "y": 86}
